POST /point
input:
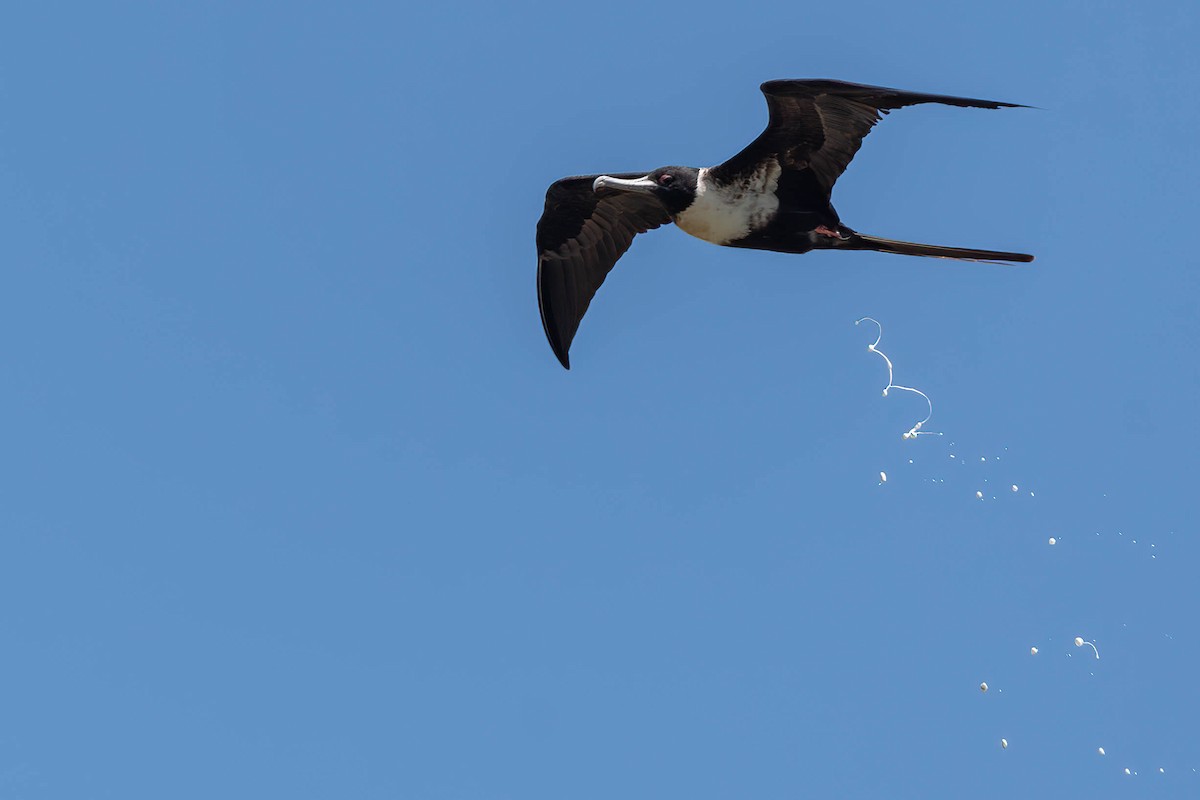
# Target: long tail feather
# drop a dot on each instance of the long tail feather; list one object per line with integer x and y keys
{"x": 860, "y": 241}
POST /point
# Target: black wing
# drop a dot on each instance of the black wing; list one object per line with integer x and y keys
{"x": 817, "y": 126}
{"x": 579, "y": 238}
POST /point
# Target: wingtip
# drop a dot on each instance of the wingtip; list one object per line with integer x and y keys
{"x": 807, "y": 86}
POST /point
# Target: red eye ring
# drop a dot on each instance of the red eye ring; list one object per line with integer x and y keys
{"x": 665, "y": 179}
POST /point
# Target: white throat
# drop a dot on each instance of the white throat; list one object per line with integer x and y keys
{"x": 723, "y": 214}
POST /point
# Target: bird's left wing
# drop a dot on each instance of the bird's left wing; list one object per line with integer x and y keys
{"x": 579, "y": 239}
{"x": 817, "y": 126}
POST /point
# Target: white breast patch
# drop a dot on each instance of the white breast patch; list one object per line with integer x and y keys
{"x": 722, "y": 214}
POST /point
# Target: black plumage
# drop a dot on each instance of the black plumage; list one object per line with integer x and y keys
{"x": 773, "y": 195}
{"x": 579, "y": 239}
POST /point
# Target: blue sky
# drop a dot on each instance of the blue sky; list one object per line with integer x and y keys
{"x": 297, "y": 501}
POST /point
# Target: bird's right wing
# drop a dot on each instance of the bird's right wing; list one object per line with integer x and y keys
{"x": 579, "y": 239}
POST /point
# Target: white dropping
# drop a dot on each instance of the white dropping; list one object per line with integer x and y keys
{"x": 1014, "y": 487}
{"x": 979, "y": 495}
{"x": 1004, "y": 744}
{"x": 1100, "y": 750}
{"x": 915, "y": 430}
{"x": 883, "y": 477}
{"x": 983, "y": 687}
{"x": 1053, "y": 540}
{"x": 1161, "y": 771}
{"x": 1080, "y": 642}
{"x": 1127, "y": 772}
{"x": 1033, "y": 651}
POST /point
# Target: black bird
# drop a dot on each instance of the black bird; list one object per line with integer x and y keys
{"x": 774, "y": 195}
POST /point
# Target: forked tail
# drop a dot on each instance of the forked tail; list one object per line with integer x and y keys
{"x": 860, "y": 241}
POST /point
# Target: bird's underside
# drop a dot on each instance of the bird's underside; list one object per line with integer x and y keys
{"x": 773, "y": 195}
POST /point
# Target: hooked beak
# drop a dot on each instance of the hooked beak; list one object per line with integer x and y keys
{"x": 607, "y": 185}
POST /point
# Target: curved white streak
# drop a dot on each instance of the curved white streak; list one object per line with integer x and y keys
{"x": 915, "y": 430}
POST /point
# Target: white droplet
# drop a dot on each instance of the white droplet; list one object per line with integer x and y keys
{"x": 1161, "y": 771}
{"x": 979, "y": 495}
{"x": 1033, "y": 651}
{"x": 883, "y": 477}
{"x": 1014, "y": 487}
{"x": 1004, "y": 743}
{"x": 1127, "y": 771}
{"x": 1053, "y": 540}
{"x": 1100, "y": 750}
{"x": 983, "y": 687}
{"x": 952, "y": 455}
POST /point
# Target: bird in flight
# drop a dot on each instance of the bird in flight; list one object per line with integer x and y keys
{"x": 774, "y": 195}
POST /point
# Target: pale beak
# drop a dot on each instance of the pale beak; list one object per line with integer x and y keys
{"x": 608, "y": 185}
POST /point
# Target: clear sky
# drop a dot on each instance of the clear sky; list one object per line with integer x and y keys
{"x": 296, "y": 501}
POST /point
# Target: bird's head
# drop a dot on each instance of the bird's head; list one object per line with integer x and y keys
{"x": 674, "y": 187}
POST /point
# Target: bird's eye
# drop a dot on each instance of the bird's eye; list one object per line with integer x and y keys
{"x": 665, "y": 179}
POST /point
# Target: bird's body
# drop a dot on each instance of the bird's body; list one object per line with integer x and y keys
{"x": 774, "y": 195}
{"x": 729, "y": 213}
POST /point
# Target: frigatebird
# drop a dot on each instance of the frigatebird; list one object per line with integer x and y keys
{"x": 773, "y": 195}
